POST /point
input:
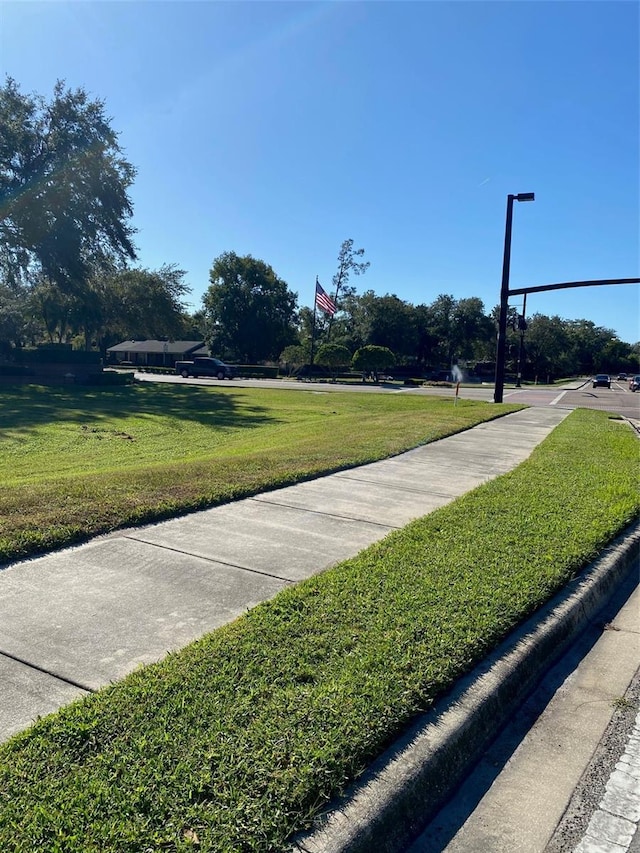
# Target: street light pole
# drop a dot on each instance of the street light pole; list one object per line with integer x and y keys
{"x": 504, "y": 296}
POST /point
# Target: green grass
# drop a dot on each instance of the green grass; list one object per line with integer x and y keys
{"x": 75, "y": 462}
{"x": 240, "y": 738}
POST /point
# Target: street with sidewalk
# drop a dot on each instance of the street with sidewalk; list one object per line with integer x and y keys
{"x": 77, "y": 619}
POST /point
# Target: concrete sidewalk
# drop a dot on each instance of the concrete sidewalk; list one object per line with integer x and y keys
{"x": 74, "y": 620}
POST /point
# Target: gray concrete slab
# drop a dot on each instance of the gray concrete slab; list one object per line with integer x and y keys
{"x": 380, "y": 503}
{"x": 92, "y": 614}
{"x": 281, "y": 541}
{"x": 426, "y": 474}
{"x": 28, "y": 694}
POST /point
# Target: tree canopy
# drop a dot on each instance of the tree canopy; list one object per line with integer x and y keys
{"x": 449, "y": 331}
{"x": 64, "y": 202}
{"x": 125, "y": 304}
{"x": 250, "y": 312}
{"x": 385, "y": 321}
{"x": 372, "y": 359}
{"x": 333, "y": 356}
{"x": 347, "y": 264}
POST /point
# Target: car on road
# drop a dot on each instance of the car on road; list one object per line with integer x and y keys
{"x": 622, "y": 377}
{"x": 634, "y": 382}
{"x": 205, "y": 366}
{"x": 602, "y": 380}
{"x": 440, "y": 376}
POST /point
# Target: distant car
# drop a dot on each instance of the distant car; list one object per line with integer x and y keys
{"x": 203, "y": 366}
{"x": 440, "y": 376}
{"x": 602, "y": 380}
{"x": 622, "y": 377}
{"x": 634, "y": 382}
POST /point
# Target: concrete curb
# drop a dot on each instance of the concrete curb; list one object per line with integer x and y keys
{"x": 395, "y": 798}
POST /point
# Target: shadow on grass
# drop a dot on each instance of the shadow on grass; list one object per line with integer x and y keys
{"x": 27, "y": 407}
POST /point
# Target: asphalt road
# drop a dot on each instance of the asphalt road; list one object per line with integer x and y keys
{"x": 573, "y": 395}
{"x": 540, "y": 781}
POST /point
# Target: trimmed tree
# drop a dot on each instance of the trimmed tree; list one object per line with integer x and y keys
{"x": 293, "y": 356}
{"x": 333, "y": 356}
{"x": 371, "y": 360}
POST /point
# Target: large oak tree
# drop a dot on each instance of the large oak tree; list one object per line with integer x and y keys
{"x": 64, "y": 203}
{"x": 250, "y": 311}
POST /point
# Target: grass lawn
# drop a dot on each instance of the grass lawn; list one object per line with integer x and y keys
{"x": 236, "y": 741}
{"x": 75, "y": 462}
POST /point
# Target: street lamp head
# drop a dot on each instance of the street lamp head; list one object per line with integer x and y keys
{"x": 525, "y": 197}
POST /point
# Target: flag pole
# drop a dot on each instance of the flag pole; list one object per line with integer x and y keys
{"x": 313, "y": 328}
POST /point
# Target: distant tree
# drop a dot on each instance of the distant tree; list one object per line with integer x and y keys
{"x": 64, "y": 204}
{"x": 294, "y": 356}
{"x": 128, "y": 304}
{"x": 616, "y": 355}
{"x": 305, "y": 328}
{"x": 193, "y": 325}
{"x": 347, "y": 327}
{"x": 250, "y": 311}
{"x": 427, "y": 343}
{"x": 473, "y": 331}
{"x": 548, "y": 347}
{"x": 386, "y": 321}
{"x": 137, "y": 304}
{"x": 333, "y": 356}
{"x": 347, "y": 264}
{"x": 441, "y": 323}
{"x": 372, "y": 359}
{"x": 588, "y": 343}
{"x": 513, "y": 336}
{"x": 16, "y": 321}
{"x": 53, "y": 308}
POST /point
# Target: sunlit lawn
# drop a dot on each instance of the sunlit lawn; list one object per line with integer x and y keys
{"x": 79, "y": 461}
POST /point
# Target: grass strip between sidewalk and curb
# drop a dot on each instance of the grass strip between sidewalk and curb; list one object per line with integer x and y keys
{"x": 76, "y": 462}
{"x": 236, "y": 741}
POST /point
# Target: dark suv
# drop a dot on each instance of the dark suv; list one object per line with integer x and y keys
{"x": 602, "y": 380}
{"x": 204, "y": 366}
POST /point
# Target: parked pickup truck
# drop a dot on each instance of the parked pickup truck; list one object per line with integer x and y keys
{"x": 204, "y": 367}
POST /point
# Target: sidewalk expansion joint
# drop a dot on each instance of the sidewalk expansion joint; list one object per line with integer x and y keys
{"x": 397, "y": 486}
{"x": 46, "y": 671}
{"x": 331, "y": 514}
{"x": 209, "y": 559}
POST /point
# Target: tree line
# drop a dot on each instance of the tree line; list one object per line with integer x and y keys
{"x": 69, "y": 274}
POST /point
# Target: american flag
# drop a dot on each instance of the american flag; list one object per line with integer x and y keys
{"x": 324, "y": 301}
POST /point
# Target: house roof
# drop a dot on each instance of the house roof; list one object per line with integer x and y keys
{"x": 173, "y": 347}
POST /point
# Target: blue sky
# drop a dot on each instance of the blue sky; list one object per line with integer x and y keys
{"x": 281, "y": 129}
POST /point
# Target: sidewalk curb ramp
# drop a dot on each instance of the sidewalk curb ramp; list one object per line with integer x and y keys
{"x": 388, "y": 807}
